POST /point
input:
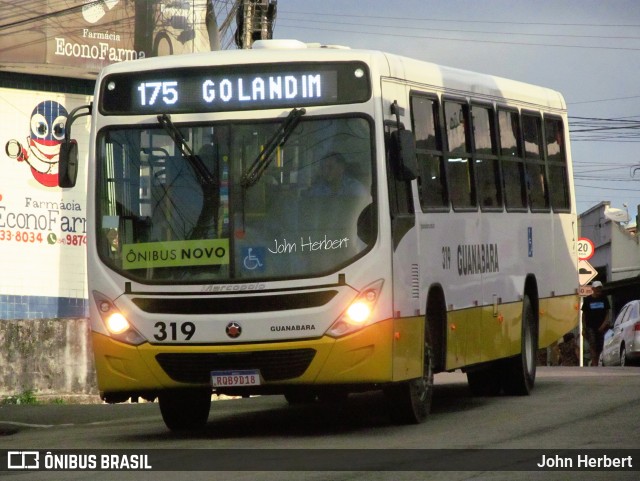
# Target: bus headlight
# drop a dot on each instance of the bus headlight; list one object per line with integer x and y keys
{"x": 359, "y": 312}
{"x": 116, "y": 323}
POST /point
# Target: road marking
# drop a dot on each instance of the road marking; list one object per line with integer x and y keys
{"x": 29, "y": 425}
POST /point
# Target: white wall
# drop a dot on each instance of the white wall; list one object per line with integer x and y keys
{"x": 42, "y": 227}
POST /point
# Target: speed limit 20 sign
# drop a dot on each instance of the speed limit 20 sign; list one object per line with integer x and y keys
{"x": 586, "y": 249}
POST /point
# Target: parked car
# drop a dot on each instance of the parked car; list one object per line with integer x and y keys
{"x": 622, "y": 341}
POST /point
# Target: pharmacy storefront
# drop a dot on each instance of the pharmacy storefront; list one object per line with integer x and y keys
{"x": 49, "y": 56}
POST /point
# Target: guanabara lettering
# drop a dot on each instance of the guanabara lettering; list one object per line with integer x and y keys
{"x": 294, "y": 327}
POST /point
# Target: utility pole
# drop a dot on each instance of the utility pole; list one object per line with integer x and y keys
{"x": 143, "y": 26}
{"x": 255, "y": 21}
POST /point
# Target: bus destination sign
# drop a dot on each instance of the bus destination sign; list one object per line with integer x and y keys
{"x": 228, "y": 88}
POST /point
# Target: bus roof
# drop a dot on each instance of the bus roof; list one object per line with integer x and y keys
{"x": 417, "y": 74}
{"x": 454, "y": 81}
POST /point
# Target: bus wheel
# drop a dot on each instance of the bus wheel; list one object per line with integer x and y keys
{"x": 410, "y": 401}
{"x": 520, "y": 371}
{"x": 184, "y": 409}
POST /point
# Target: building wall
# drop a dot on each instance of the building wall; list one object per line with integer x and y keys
{"x": 51, "y": 357}
{"x": 593, "y": 225}
{"x": 42, "y": 227}
{"x": 617, "y": 254}
{"x": 625, "y": 253}
{"x": 48, "y": 66}
{"x": 48, "y": 37}
{"x": 43, "y": 294}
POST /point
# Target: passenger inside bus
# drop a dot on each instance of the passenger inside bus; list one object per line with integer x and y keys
{"x": 335, "y": 180}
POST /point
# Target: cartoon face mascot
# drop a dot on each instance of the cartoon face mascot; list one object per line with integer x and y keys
{"x": 42, "y": 147}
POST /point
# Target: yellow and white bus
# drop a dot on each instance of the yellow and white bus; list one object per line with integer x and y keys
{"x": 316, "y": 222}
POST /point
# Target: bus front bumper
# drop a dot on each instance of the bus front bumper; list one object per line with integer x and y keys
{"x": 383, "y": 352}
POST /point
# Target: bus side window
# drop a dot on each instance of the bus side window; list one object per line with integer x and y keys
{"x": 534, "y": 162}
{"x": 557, "y": 164}
{"x": 459, "y": 164}
{"x": 486, "y": 165}
{"x": 431, "y": 179}
{"x": 515, "y": 192}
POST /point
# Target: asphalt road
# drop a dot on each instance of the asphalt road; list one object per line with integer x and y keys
{"x": 570, "y": 408}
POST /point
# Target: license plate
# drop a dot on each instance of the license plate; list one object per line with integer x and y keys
{"x": 248, "y": 377}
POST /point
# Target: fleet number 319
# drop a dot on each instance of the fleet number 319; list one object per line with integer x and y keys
{"x": 174, "y": 331}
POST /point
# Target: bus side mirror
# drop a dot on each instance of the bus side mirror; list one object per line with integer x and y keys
{"x": 403, "y": 155}
{"x": 68, "y": 164}
{"x": 68, "y": 157}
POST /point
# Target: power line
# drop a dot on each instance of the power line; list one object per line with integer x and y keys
{"x": 600, "y": 178}
{"x": 604, "y": 100}
{"x": 604, "y": 119}
{"x": 609, "y": 168}
{"x": 494, "y": 42}
{"x": 463, "y": 21}
{"x": 595, "y": 129}
{"x": 600, "y": 187}
{"x": 493, "y": 32}
{"x": 64, "y": 11}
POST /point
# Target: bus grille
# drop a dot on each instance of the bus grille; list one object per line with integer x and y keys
{"x": 234, "y": 305}
{"x": 273, "y": 365}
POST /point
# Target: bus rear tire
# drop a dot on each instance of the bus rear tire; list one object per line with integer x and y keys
{"x": 185, "y": 409}
{"x": 520, "y": 371}
{"x": 410, "y": 401}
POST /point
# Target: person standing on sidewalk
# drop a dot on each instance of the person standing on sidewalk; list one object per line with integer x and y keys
{"x": 596, "y": 313}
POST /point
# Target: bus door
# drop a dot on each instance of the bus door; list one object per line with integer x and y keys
{"x": 406, "y": 287}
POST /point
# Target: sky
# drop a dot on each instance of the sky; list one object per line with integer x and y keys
{"x": 589, "y": 50}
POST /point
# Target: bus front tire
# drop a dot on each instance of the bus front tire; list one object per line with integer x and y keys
{"x": 185, "y": 409}
{"x": 410, "y": 401}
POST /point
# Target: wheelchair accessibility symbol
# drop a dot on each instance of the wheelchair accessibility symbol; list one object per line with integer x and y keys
{"x": 253, "y": 258}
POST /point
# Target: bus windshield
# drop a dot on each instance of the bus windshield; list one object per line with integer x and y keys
{"x": 173, "y": 206}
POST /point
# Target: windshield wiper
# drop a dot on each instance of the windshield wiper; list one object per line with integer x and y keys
{"x": 204, "y": 175}
{"x": 257, "y": 168}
